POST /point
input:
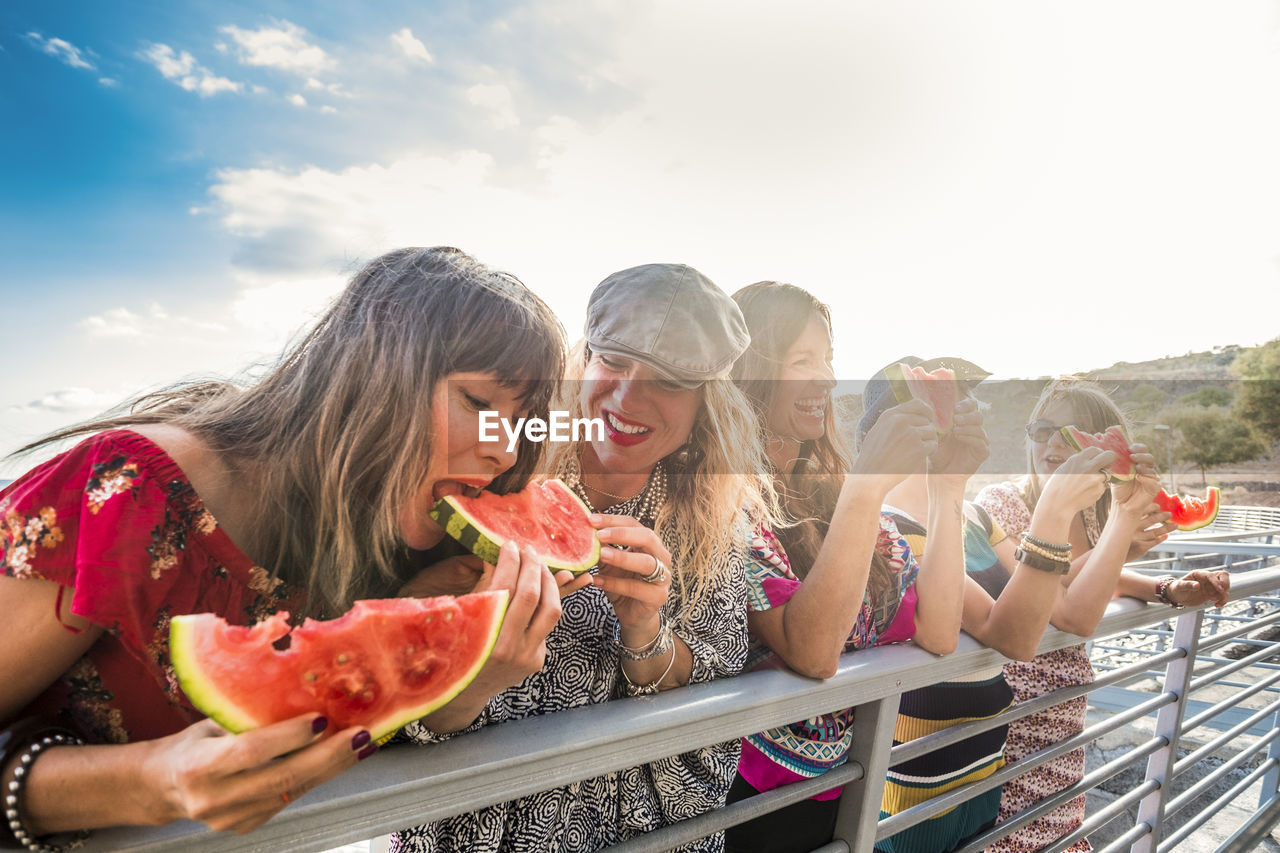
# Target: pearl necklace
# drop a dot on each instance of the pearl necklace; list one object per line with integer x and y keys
{"x": 643, "y": 505}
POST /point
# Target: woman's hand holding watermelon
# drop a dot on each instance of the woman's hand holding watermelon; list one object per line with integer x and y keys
{"x": 963, "y": 450}
{"x": 521, "y": 649}
{"x": 898, "y": 445}
{"x": 1077, "y": 483}
{"x": 236, "y": 782}
{"x": 1134, "y": 500}
{"x": 467, "y": 573}
{"x": 636, "y": 602}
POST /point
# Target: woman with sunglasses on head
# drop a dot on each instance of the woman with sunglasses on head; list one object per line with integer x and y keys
{"x": 675, "y": 484}
{"x": 1122, "y": 525}
{"x": 303, "y": 491}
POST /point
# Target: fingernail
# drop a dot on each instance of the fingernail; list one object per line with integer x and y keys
{"x": 360, "y": 740}
{"x": 366, "y": 752}
{"x": 595, "y": 516}
{"x": 319, "y": 724}
{"x": 606, "y": 551}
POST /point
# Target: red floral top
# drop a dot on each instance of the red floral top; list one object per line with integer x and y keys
{"x": 115, "y": 521}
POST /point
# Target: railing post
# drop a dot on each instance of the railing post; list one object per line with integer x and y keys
{"x": 1177, "y": 680}
{"x": 1271, "y": 782}
{"x": 873, "y": 726}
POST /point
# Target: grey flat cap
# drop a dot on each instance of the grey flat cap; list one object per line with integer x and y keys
{"x": 670, "y": 317}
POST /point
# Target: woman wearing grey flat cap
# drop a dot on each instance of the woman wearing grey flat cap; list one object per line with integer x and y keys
{"x": 677, "y": 482}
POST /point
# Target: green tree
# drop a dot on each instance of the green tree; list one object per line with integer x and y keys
{"x": 1208, "y": 395}
{"x": 1258, "y": 400}
{"x": 1214, "y": 437}
{"x": 1145, "y": 400}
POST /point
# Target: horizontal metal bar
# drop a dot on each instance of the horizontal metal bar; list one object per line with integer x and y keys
{"x": 1202, "y": 817}
{"x": 1210, "y": 779}
{"x": 1182, "y": 547}
{"x": 1234, "y": 666}
{"x": 1124, "y": 842}
{"x": 1230, "y": 702}
{"x": 1087, "y": 783}
{"x": 1251, "y": 833}
{"x": 686, "y": 831}
{"x": 1104, "y": 816}
{"x": 954, "y": 734}
{"x": 1245, "y": 726}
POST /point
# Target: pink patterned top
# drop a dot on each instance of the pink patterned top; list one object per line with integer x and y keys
{"x": 809, "y": 748}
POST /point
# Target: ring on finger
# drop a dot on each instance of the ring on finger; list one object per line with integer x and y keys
{"x": 658, "y": 574}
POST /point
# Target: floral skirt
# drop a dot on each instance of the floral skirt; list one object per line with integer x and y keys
{"x": 1029, "y": 679}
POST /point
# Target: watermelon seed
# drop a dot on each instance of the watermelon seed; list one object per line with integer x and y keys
{"x": 448, "y": 615}
{"x": 309, "y": 676}
{"x": 430, "y": 618}
{"x": 342, "y": 659}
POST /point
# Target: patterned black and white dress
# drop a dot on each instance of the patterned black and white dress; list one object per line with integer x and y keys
{"x": 582, "y": 669}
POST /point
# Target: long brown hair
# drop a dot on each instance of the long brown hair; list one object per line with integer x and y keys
{"x": 776, "y": 315}
{"x": 1092, "y": 410}
{"x": 338, "y": 434}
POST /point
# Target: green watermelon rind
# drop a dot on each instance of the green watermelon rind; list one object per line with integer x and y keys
{"x": 1213, "y": 498}
{"x": 449, "y": 513}
{"x": 222, "y": 709}
{"x": 1112, "y": 476}
{"x": 900, "y": 385}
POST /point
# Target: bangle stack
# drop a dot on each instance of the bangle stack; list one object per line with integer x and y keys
{"x": 1044, "y": 556}
{"x": 24, "y": 742}
{"x": 659, "y": 645}
{"x": 1162, "y": 591}
{"x": 633, "y": 689}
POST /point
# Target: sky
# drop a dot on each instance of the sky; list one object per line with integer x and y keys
{"x": 1038, "y": 187}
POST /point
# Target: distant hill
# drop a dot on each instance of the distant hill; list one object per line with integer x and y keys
{"x": 1143, "y": 390}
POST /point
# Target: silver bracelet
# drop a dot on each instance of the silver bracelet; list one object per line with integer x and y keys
{"x": 657, "y": 646}
{"x": 633, "y": 689}
{"x": 14, "y": 794}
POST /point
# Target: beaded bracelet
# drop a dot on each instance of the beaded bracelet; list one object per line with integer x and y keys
{"x": 1042, "y": 563}
{"x": 1162, "y": 591}
{"x": 42, "y": 740}
{"x": 1048, "y": 546}
{"x": 633, "y": 689}
{"x": 659, "y": 645}
{"x": 1057, "y": 552}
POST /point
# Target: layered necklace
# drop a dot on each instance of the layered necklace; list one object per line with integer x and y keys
{"x": 643, "y": 506}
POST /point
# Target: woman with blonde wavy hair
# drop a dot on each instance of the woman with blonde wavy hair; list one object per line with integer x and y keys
{"x": 674, "y": 482}
{"x": 304, "y": 490}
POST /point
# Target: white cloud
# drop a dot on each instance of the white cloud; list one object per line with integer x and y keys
{"x": 328, "y": 110}
{"x": 108, "y": 82}
{"x": 297, "y": 100}
{"x": 154, "y": 321}
{"x": 411, "y": 46}
{"x": 61, "y": 50}
{"x": 182, "y": 69}
{"x": 284, "y": 47}
{"x": 280, "y": 307}
{"x": 496, "y": 98}
{"x": 331, "y": 88}
{"x": 69, "y": 401}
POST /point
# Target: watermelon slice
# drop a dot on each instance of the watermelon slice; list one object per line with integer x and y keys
{"x": 546, "y": 516}
{"x": 1114, "y": 439}
{"x": 1190, "y": 513}
{"x": 382, "y": 664}
{"x": 936, "y": 387}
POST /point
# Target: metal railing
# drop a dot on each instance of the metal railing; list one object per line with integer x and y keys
{"x": 406, "y": 785}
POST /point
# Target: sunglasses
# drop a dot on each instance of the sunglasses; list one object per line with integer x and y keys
{"x": 1041, "y": 431}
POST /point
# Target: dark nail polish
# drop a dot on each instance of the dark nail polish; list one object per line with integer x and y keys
{"x": 319, "y": 724}
{"x": 359, "y": 740}
{"x": 366, "y": 752}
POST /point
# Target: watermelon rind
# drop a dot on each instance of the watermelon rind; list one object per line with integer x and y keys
{"x": 1075, "y": 437}
{"x": 461, "y": 524}
{"x": 1177, "y": 506}
{"x": 184, "y": 634}
{"x": 222, "y": 707}
{"x": 901, "y": 376}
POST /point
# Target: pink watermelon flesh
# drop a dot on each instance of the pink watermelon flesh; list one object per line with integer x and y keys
{"x": 1190, "y": 513}
{"x": 382, "y": 664}
{"x": 547, "y": 517}
{"x": 1114, "y": 440}
{"x": 936, "y": 387}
